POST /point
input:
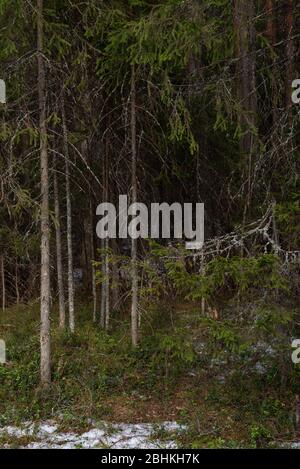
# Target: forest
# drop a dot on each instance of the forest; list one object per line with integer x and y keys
{"x": 143, "y": 341}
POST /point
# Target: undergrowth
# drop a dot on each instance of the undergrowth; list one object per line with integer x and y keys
{"x": 232, "y": 388}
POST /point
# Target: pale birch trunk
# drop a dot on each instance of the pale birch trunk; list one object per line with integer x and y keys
{"x": 134, "y": 270}
{"x": 45, "y": 229}
{"x": 59, "y": 266}
{"x": 69, "y": 225}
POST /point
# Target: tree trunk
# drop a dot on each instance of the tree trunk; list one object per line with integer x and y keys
{"x": 107, "y": 295}
{"x": 69, "y": 224}
{"x": 107, "y": 194}
{"x": 3, "y": 283}
{"x": 94, "y": 286}
{"x": 246, "y": 84}
{"x": 134, "y": 270}
{"x": 59, "y": 266}
{"x": 290, "y": 51}
{"x": 105, "y": 291}
{"x": 17, "y": 282}
{"x": 45, "y": 229}
{"x": 115, "y": 278}
{"x": 86, "y": 252}
{"x": 103, "y": 287}
{"x": 271, "y": 33}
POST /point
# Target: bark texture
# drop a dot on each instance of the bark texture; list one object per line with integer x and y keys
{"x": 45, "y": 229}
{"x": 134, "y": 269}
{"x": 69, "y": 224}
{"x": 59, "y": 265}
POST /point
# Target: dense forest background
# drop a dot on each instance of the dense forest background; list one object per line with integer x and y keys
{"x": 170, "y": 101}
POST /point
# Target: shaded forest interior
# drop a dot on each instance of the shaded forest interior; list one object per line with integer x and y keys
{"x": 173, "y": 101}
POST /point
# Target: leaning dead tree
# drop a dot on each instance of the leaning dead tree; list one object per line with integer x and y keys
{"x": 256, "y": 237}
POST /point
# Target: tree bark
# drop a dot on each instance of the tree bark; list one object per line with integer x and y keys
{"x": 3, "y": 283}
{"x": 94, "y": 286}
{"x": 115, "y": 278}
{"x": 134, "y": 269}
{"x": 246, "y": 83}
{"x": 17, "y": 282}
{"x": 86, "y": 252}
{"x": 45, "y": 229}
{"x": 103, "y": 287}
{"x": 271, "y": 33}
{"x": 105, "y": 290}
{"x": 69, "y": 224}
{"x": 290, "y": 50}
{"x": 107, "y": 282}
{"x": 59, "y": 266}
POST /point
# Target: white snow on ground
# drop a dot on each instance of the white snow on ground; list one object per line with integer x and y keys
{"x": 105, "y": 435}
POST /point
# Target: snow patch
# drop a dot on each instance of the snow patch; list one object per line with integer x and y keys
{"x": 118, "y": 436}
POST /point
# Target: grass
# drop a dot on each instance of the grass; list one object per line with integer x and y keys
{"x": 98, "y": 375}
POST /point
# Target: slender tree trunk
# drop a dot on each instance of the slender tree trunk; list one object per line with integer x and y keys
{"x": 107, "y": 292}
{"x": 91, "y": 254}
{"x": 94, "y": 286}
{"x": 103, "y": 287}
{"x": 244, "y": 12}
{"x": 115, "y": 278}
{"x": 271, "y": 21}
{"x": 107, "y": 269}
{"x": 69, "y": 225}
{"x": 202, "y": 273}
{"x": 17, "y": 282}
{"x": 45, "y": 229}
{"x": 87, "y": 248}
{"x": 290, "y": 50}
{"x": 134, "y": 269}
{"x": 59, "y": 266}
{"x": 103, "y": 320}
{"x": 3, "y": 283}
{"x": 271, "y": 33}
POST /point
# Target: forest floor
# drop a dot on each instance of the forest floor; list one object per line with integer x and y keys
{"x": 103, "y": 391}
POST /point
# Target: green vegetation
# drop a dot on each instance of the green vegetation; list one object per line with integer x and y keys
{"x": 195, "y": 370}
